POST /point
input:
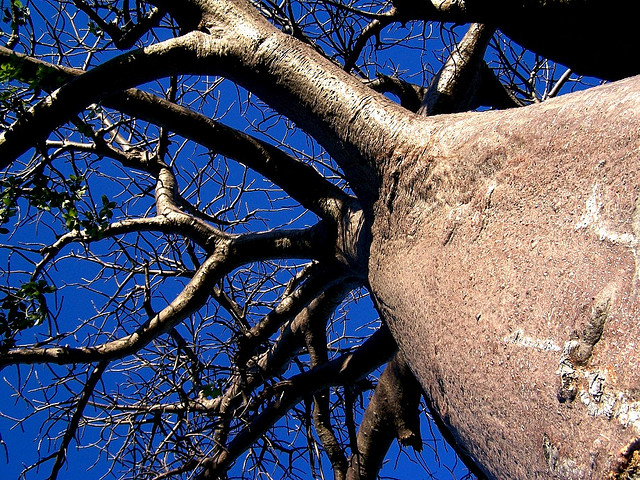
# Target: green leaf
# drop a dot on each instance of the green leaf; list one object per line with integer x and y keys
{"x": 94, "y": 29}
{"x": 84, "y": 129}
{"x": 71, "y": 218}
{"x": 11, "y": 69}
{"x": 211, "y": 391}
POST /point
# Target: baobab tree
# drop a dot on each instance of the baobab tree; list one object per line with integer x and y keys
{"x": 178, "y": 263}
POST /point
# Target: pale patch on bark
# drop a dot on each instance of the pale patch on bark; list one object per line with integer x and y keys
{"x": 520, "y": 339}
{"x": 591, "y": 219}
{"x": 562, "y": 466}
{"x": 603, "y": 400}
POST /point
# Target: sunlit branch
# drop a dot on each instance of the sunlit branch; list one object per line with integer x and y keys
{"x": 197, "y": 365}
{"x": 133, "y": 158}
{"x": 236, "y": 400}
{"x": 121, "y": 72}
{"x": 456, "y": 87}
{"x": 171, "y": 222}
{"x": 188, "y": 301}
{"x": 229, "y": 254}
{"x": 565, "y": 25}
{"x": 355, "y": 125}
{"x": 560, "y": 83}
{"x": 301, "y": 181}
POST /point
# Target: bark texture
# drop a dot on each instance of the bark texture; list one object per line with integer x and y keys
{"x": 505, "y": 263}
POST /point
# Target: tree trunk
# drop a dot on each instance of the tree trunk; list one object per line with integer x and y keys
{"x": 505, "y": 263}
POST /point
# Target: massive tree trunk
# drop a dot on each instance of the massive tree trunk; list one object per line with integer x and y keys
{"x": 504, "y": 259}
{"x": 503, "y": 245}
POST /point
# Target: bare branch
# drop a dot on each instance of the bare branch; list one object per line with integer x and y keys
{"x": 345, "y": 369}
{"x": 372, "y": 29}
{"x": 129, "y": 69}
{"x": 560, "y": 83}
{"x": 299, "y": 180}
{"x": 410, "y": 95}
{"x": 126, "y": 37}
{"x": 320, "y": 281}
{"x": 455, "y": 88}
{"x": 72, "y": 427}
{"x": 316, "y": 342}
{"x": 229, "y": 254}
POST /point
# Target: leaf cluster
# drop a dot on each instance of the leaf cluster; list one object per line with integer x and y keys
{"x": 21, "y": 309}
{"x": 16, "y": 13}
{"x": 45, "y": 197}
{"x": 16, "y": 68}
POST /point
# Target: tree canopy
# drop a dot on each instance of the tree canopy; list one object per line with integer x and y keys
{"x": 189, "y": 194}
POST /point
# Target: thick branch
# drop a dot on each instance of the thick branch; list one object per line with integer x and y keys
{"x": 301, "y": 181}
{"x": 393, "y": 412}
{"x": 171, "y": 223}
{"x": 316, "y": 342}
{"x": 132, "y": 68}
{"x": 456, "y": 86}
{"x": 188, "y": 301}
{"x": 320, "y": 281}
{"x": 356, "y": 125}
{"x": 409, "y": 94}
{"x": 228, "y": 255}
{"x": 169, "y": 219}
{"x": 264, "y": 366}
